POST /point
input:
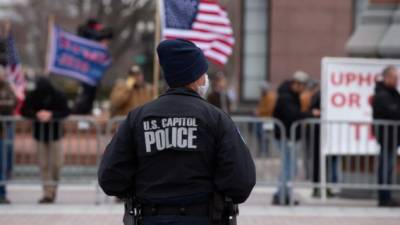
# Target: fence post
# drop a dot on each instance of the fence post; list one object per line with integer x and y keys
{"x": 323, "y": 167}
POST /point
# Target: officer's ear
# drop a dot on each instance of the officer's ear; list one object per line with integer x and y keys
{"x": 196, "y": 84}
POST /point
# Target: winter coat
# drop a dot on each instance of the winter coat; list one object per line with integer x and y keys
{"x": 84, "y": 101}
{"x": 266, "y": 105}
{"x": 177, "y": 145}
{"x": 288, "y": 109}
{"x": 45, "y": 97}
{"x": 386, "y": 106}
{"x": 123, "y": 98}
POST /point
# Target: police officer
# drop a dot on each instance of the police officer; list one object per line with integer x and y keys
{"x": 177, "y": 150}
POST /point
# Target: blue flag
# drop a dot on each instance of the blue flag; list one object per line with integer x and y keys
{"x": 77, "y": 58}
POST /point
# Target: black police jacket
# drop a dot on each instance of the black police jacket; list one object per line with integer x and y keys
{"x": 177, "y": 145}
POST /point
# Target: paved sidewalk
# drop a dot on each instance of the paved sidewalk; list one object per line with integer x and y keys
{"x": 75, "y": 206}
{"x": 250, "y": 215}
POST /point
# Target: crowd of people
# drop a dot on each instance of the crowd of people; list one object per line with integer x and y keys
{"x": 46, "y": 105}
{"x": 300, "y": 98}
{"x": 295, "y": 99}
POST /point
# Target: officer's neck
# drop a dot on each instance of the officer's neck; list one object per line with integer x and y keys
{"x": 193, "y": 87}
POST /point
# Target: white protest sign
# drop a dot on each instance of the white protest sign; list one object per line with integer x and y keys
{"x": 347, "y": 88}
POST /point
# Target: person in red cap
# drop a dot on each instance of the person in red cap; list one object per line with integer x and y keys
{"x": 174, "y": 153}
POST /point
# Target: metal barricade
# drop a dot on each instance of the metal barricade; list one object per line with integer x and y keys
{"x": 65, "y": 151}
{"x": 260, "y": 136}
{"x": 330, "y": 156}
{"x": 344, "y": 155}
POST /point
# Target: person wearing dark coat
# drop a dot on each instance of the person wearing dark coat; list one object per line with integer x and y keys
{"x": 288, "y": 110}
{"x": 46, "y": 107}
{"x": 175, "y": 151}
{"x": 313, "y": 142}
{"x": 386, "y": 106}
{"x": 84, "y": 101}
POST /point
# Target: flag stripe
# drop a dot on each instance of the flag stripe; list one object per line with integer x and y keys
{"x": 209, "y": 7}
{"x": 201, "y": 35}
{"x": 212, "y": 19}
{"x": 212, "y": 28}
{"x": 198, "y": 40}
{"x": 209, "y": 13}
{"x": 222, "y": 59}
{"x": 213, "y": 23}
{"x": 222, "y": 48}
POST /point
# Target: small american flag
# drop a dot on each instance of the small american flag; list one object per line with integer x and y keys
{"x": 203, "y": 22}
{"x": 14, "y": 71}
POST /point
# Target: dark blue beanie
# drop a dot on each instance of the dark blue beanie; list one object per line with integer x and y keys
{"x": 181, "y": 61}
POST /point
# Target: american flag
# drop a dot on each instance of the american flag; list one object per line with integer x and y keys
{"x": 14, "y": 71}
{"x": 203, "y": 22}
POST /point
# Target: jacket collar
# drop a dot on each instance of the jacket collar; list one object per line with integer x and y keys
{"x": 182, "y": 91}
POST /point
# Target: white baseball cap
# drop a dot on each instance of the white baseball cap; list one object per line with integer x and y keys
{"x": 301, "y": 76}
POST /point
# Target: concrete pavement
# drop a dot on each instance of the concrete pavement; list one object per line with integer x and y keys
{"x": 75, "y": 206}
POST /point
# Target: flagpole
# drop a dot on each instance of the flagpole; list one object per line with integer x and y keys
{"x": 157, "y": 38}
{"x": 50, "y": 26}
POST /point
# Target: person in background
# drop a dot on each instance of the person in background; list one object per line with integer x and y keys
{"x": 267, "y": 102}
{"x": 96, "y": 31}
{"x": 265, "y": 108}
{"x": 313, "y": 145}
{"x": 386, "y": 106}
{"x": 288, "y": 110}
{"x": 47, "y": 106}
{"x": 83, "y": 104}
{"x": 8, "y": 102}
{"x": 306, "y": 105}
{"x": 130, "y": 93}
{"x": 219, "y": 95}
{"x": 312, "y": 87}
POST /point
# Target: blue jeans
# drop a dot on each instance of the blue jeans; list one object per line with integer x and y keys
{"x": 288, "y": 169}
{"x": 386, "y": 168}
{"x": 333, "y": 169}
{"x": 6, "y": 157}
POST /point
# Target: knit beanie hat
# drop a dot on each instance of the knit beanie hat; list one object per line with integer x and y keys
{"x": 181, "y": 61}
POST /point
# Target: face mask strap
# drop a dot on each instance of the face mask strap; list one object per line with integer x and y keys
{"x": 202, "y": 90}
